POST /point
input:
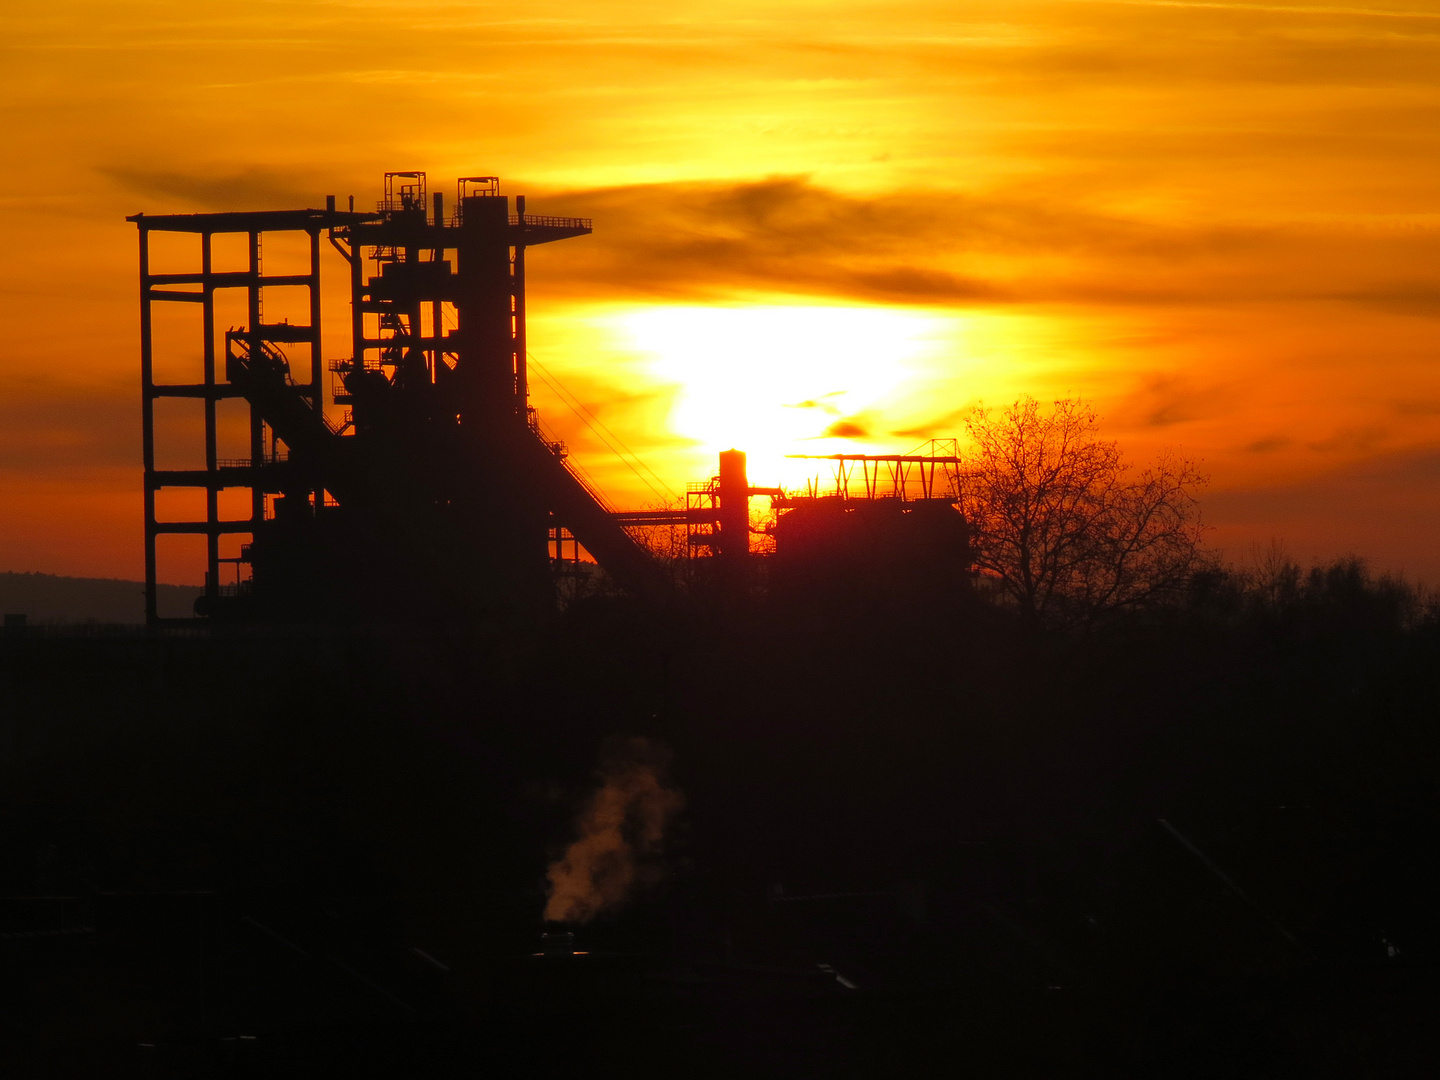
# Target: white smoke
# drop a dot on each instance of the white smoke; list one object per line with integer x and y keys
{"x": 621, "y": 833}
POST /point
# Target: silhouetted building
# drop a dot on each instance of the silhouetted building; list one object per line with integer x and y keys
{"x": 888, "y": 532}
{"x": 434, "y": 495}
{"x": 870, "y": 546}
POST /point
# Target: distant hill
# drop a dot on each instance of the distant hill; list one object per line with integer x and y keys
{"x": 49, "y": 599}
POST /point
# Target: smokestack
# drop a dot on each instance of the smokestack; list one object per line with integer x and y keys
{"x": 734, "y": 506}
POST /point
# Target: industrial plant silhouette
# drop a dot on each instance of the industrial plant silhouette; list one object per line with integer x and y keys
{"x": 400, "y": 798}
{"x": 438, "y": 495}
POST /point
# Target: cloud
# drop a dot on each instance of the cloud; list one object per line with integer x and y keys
{"x": 1386, "y": 506}
{"x": 1352, "y": 440}
{"x": 1356, "y": 11}
{"x": 1269, "y": 444}
{"x": 846, "y": 429}
{"x": 242, "y": 189}
{"x": 1419, "y": 407}
{"x": 1164, "y": 399}
{"x": 944, "y": 426}
{"x": 46, "y": 425}
{"x": 1404, "y": 478}
{"x": 780, "y": 234}
{"x": 1036, "y": 243}
{"x": 820, "y": 403}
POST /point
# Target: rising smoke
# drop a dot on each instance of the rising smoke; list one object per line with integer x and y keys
{"x": 621, "y": 833}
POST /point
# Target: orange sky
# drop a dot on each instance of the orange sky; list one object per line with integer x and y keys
{"x": 1220, "y": 221}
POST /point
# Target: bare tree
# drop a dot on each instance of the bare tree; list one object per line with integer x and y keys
{"x": 1063, "y": 526}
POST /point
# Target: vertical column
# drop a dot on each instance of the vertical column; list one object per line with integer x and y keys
{"x": 485, "y": 308}
{"x": 257, "y": 428}
{"x": 317, "y": 384}
{"x": 212, "y": 476}
{"x": 357, "y": 347}
{"x": 437, "y": 306}
{"x": 147, "y": 422}
{"x": 522, "y": 374}
{"x": 357, "y": 287}
{"x": 734, "y": 514}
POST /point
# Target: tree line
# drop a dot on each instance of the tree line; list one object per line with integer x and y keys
{"x": 1070, "y": 534}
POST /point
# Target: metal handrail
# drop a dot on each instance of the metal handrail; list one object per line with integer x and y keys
{"x": 562, "y": 222}
{"x": 245, "y": 463}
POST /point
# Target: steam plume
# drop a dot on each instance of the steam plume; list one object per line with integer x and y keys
{"x": 620, "y": 836}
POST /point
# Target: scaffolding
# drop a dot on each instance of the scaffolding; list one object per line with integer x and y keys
{"x": 907, "y": 477}
{"x": 262, "y": 470}
{"x": 436, "y": 490}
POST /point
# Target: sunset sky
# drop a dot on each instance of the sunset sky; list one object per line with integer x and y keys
{"x": 818, "y": 226}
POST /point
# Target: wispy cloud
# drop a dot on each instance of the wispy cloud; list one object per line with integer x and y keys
{"x": 1273, "y": 9}
{"x": 240, "y": 189}
{"x": 791, "y": 235}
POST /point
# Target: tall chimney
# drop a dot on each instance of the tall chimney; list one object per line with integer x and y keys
{"x": 734, "y": 506}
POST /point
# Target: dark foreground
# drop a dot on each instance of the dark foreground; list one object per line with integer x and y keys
{"x": 912, "y": 841}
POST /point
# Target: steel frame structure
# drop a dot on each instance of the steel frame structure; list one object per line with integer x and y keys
{"x": 200, "y": 287}
{"x": 890, "y": 476}
{"x": 440, "y": 470}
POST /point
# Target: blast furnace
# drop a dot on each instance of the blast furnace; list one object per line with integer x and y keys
{"x": 406, "y": 480}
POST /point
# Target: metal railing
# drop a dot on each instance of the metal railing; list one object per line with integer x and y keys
{"x": 245, "y": 462}
{"x": 544, "y": 220}
{"x": 347, "y": 365}
{"x": 558, "y": 222}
